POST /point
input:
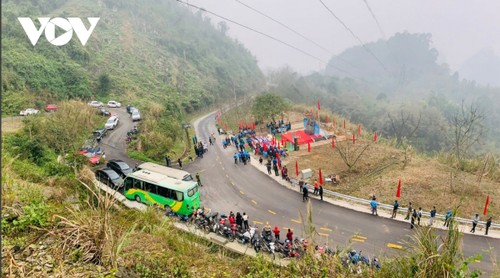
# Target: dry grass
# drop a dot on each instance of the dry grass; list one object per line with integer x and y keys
{"x": 11, "y": 124}
{"x": 426, "y": 182}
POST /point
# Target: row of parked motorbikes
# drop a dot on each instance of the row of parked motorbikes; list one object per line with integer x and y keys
{"x": 265, "y": 241}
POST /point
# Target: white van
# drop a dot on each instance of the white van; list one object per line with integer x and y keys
{"x": 167, "y": 171}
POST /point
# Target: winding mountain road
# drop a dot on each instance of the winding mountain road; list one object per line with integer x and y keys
{"x": 230, "y": 187}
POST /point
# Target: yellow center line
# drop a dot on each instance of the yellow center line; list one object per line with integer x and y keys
{"x": 253, "y": 201}
{"x": 296, "y": 221}
{"x": 258, "y": 222}
{"x": 270, "y": 211}
{"x": 325, "y": 229}
{"x": 357, "y": 239}
{"x": 242, "y": 193}
{"x": 360, "y": 237}
{"x": 321, "y": 234}
{"x": 396, "y": 246}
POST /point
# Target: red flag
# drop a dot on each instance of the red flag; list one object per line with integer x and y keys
{"x": 333, "y": 143}
{"x": 353, "y": 139}
{"x": 486, "y": 205}
{"x": 240, "y": 125}
{"x": 308, "y": 147}
{"x": 279, "y": 146}
{"x": 326, "y": 120}
{"x": 319, "y": 105}
{"x": 344, "y": 123}
{"x": 359, "y": 130}
{"x": 375, "y": 136}
{"x": 279, "y": 163}
{"x": 225, "y": 126}
{"x": 320, "y": 177}
{"x": 398, "y": 193}
{"x": 296, "y": 168}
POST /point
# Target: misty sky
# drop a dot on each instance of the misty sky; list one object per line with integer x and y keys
{"x": 460, "y": 28}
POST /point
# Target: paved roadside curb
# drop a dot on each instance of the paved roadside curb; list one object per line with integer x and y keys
{"x": 382, "y": 211}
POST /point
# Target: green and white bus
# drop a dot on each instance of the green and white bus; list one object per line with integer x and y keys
{"x": 182, "y": 197}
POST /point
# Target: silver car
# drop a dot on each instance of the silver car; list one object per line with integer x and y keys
{"x": 111, "y": 123}
{"x": 29, "y": 111}
{"x": 136, "y": 116}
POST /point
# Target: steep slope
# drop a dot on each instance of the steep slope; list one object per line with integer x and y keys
{"x": 139, "y": 49}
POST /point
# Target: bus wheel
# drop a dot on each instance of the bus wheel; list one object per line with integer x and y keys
{"x": 138, "y": 199}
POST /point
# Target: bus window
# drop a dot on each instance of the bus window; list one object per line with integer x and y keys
{"x": 179, "y": 196}
{"x": 150, "y": 187}
{"x": 128, "y": 183}
{"x": 187, "y": 178}
{"x": 191, "y": 192}
{"x": 165, "y": 192}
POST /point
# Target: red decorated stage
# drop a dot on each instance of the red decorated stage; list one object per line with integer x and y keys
{"x": 302, "y": 137}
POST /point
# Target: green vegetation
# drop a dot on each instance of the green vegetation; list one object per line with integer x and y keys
{"x": 267, "y": 106}
{"x": 159, "y": 57}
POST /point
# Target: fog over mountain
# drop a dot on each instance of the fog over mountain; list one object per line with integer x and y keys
{"x": 459, "y": 28}
{"x": 484, "y": 68}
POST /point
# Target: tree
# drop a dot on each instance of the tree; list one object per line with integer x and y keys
{"x": 403, "y": 124}
{"x": 267, "y": 106}
{"x": 104, "y": 84}
{"x": 351, "y": 153}
{"x": 466, "y": 130}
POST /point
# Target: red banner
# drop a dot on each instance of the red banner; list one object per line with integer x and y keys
{"x": 319, "y": 105}
{"x": 353, "y": 139}
{"x": 333, "y": 143}
{"x": 375, "y": 137}
{"x": 398, "y": 193}
{"x": 296, "y": 168}
{"x": 326, "y": 120}
{"x": 308, "y": 147}
{"x": 486, "y": 205}
{"x": 320, "y": 177}
{"x": 344, "y": 123}
{"x": 359, "y": 130}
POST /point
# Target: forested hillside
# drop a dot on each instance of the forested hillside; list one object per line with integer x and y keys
{"x": 405, "y": 94}
{"x": 156, "y": 50}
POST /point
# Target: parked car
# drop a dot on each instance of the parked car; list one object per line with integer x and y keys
{"x": 51, "y": 108}
{"x": 29, "y": 111}
{"x": 111, "y": 123}
{"x": 130, "y": 109}
{"x": 103, "y": 112}
{"x": 114, "y": 104}
{"x": 119, "y": 167}
{"x": 136, "y": 116}
{"x": 95, "y": 103}
{"x": 109, "y": 177}
{"x": 99, "y": 134}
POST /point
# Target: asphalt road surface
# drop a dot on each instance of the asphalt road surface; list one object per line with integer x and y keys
{"x": 229, "y": 187}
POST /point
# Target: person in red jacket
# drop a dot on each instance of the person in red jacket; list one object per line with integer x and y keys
{"x": 289, "y": 235}
{"x": 276, "y": 232}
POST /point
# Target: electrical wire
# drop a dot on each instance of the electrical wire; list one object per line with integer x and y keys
{"x": 354, "y": 35}
{"x": 295, "y": 32}
{"x": 375, "y": 18}
{"x": 263, "y": 34}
